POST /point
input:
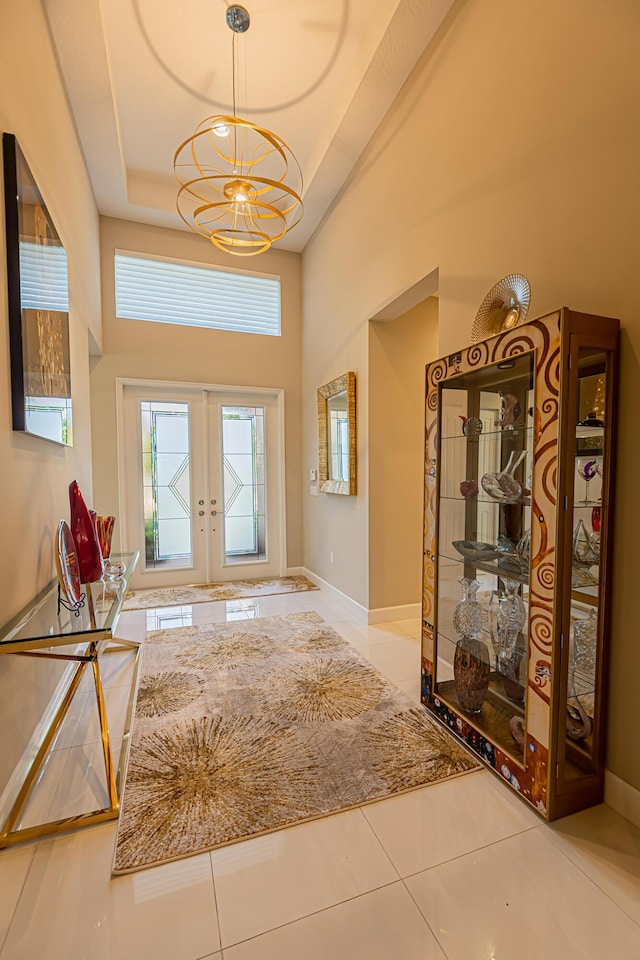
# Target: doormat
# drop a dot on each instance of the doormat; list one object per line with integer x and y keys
{"x": 204, "y": 593}
{"x": 242, "y": 730}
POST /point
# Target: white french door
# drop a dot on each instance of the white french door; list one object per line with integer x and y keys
{"x": 203, "y": 484}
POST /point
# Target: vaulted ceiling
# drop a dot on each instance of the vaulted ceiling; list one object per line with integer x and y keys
{"x": 141, "y": 74}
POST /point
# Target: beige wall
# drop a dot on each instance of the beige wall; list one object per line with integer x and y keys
{"x": 515, "y": 146}
{"x": 35, "y": 474}
{"x": 161, "y": 351}
{"x": 398, "y": 352}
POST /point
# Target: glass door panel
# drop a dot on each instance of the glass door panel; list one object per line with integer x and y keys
{"x": 485, "y": 457}
{"x": 582, "y": 693}
{"x": 166, "y": 484}
{"x": 245, "y": 476}
{"x": 244, "y": 493}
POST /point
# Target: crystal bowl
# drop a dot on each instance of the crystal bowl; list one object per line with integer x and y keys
{"x": 476, "y": 550}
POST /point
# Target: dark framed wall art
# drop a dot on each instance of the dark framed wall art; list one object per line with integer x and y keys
{"x": 38, "y": 293}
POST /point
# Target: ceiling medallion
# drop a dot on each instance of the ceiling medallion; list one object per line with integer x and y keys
{"x": 504, "y": 307}
{"x": 240, "y": 184}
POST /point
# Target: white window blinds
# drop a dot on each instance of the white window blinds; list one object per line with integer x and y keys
{"x": 166, "y": 291}
{"x": 43, "y": 277}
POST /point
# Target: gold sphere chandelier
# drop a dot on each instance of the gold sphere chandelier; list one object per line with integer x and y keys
{"x": 240, "y": 185}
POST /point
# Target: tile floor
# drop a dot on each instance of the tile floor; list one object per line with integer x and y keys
{"x": 460, "y": 870}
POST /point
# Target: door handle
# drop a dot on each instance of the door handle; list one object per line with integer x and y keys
{"x": 216, "y": 513}
{"x": 201, "y": 513}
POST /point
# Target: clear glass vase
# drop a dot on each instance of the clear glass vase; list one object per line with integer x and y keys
{"x": 467, "y": 616}
{"x": 507, "y": 617}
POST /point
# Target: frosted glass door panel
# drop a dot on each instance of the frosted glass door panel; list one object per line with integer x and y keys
{"x": 243, "y": 459}
{"x": 167, "y": 484}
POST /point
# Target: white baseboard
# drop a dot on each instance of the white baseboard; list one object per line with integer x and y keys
{"x": 295, "y": 572}
{"x": 624, "y": 798}
{"x": 355, "y": 609}
{"x": 404, "y": 611}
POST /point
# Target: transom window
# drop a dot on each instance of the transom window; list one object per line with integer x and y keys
{"x": 172, "y": 291}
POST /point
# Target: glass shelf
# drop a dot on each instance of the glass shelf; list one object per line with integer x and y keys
{"x": 45, "y": 618}
{"x": 486, "y": 566}
{"x": 485, "y": 498}
{"x": 518, "y": 432}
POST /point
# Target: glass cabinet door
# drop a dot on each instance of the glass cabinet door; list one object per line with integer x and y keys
{"x": 579, "y": 751}
{"x": 485, "y": 456}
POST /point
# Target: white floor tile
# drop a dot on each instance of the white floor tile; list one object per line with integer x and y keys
{"x": 607, "y": 848}
{"x": 383, "y": 925}
{"x": 397, "y": 660}
{"x": 71, "y": 908}
{"x": 362, "y": 635}
{"x": 411, "y": 627}
{"x": 14, "y": 867}
{"x": 522, "y": 898}
{"x": 292, "y": 873}
{"x": 446, "y": 820}
{"x": 410, "y": 687}
{"x": 37, "y": 809}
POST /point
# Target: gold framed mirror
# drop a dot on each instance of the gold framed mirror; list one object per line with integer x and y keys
{"x": 337, "y": 435}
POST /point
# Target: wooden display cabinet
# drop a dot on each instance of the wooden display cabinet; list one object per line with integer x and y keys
{"x": 519, "y": 466}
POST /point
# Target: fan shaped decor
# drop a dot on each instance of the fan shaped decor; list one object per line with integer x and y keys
{"x": 504, "y": 307}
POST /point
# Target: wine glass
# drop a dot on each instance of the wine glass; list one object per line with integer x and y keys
{"x": 587, "y": 468}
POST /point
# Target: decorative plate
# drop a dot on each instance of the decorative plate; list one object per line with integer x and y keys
{"x": 67, "y": 565}
{"x": 504, "y": 307}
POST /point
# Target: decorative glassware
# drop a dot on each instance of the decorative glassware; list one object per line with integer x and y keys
{"x": 507, "y": 617}
{"x": 469, "y": 489}
{"x": 471, "y": 426}
{"x": 467, "y": 616}
{"x": 585, "y": 634}
{"x": 471, "y": 666}
{"x": 581, "y": 678}
{"x": 595, "y": 520}
{"x": 586, "y": 552}
{"x": 587, "y": 468}
{"x": 523, "y": 550}
{"x": 503, "y": 486}
{"x": 471, "y": 672}
{"x": 83, "y": 530}
{"x": 510, "y": 410}
{"x": 104, "y": 528}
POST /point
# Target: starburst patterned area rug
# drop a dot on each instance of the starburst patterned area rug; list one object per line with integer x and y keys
{"x": 203, "y": 593}
{"x": 244, "y": 728}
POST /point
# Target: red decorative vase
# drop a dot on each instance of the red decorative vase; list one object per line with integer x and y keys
{"x": 83, "y": 530}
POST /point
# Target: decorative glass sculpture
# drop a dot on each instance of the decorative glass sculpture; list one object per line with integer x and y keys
{"x": 84, "y": 534}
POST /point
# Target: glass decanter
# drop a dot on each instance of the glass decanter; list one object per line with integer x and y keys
{"x": 471, "y": 667}
{"x": 507, "y": 617}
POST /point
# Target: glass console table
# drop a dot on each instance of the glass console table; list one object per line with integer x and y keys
{"x": 46, "y": 629}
